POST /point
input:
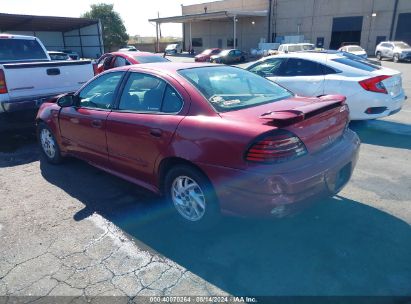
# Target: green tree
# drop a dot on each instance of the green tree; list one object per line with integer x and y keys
{"x": 114, "y": 32}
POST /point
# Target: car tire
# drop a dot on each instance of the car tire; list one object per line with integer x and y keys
{"x": 379, "y": 57}
{"x": 396, "y": 58}
{"x": 192, "y": 198}
{"x": 48, "y": 144}
{"x": 242, "y": 59}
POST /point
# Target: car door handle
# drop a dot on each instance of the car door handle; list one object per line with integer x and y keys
{"x": 96, "y": 123}
{"x": 156, "y": 132}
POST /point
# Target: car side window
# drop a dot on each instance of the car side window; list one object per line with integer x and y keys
{"x": 172, "y": 102}
{"x": 268, "y": 68}
{"x": 100, "y": 93}
{"x": 301, "y": 67}
{"x": 142, "y": 93}
{"x": 119, "y": 62}
{"x": 328, "y": 70}
{"x": 106, "y": 62}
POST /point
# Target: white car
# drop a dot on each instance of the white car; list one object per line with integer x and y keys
{"x": 295, "y": 47}
{"x": 372, "y": 91}
{"x": 173, "y": 49}
{"x": 354, "y": 49}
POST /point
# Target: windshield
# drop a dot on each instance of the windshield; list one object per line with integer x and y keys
{"x": 207, "y": 52}
{"x": 171, "y": 46}
{"x": 295, "y": 48}
{"x": 308, "y": 47}
{"x": 150, "y": 59}
{"x": 225, "y": 52}
{"x": 354, "y": 49}
{"x": 20, "y": 50}
{"x": 402, "y": 45}
{"x": 228, "y": 88}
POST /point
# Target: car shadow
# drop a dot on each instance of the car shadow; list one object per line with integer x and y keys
{"x": 18, "y": 148}
{"x": 337, "y": 247}
{"x": 383, "y": 133}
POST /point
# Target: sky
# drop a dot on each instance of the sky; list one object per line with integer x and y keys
{"x": 135, "y": 14}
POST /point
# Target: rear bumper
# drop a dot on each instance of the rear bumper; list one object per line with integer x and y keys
{"x": 19, "y": 114}
{"x": 249, "y": 193}
{"x": 358, "y": 106}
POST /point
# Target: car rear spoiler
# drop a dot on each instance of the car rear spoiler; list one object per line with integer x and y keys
{"x": 288, "y": 117}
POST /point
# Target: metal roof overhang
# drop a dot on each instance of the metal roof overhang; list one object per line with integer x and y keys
{"x": 209, "y": 16}
{"x": 11, "y": 22}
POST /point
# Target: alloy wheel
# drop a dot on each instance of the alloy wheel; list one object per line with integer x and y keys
{"x": 47, "y": 143}
{"x": 188, "y": 198}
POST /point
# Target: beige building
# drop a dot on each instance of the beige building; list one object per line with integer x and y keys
{"x": 326, "y": 23}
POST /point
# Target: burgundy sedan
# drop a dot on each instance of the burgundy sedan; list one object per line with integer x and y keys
{"x": 118, "y": 59}
{"x": 210, "y": 138}
{"x": 206, "y": 55}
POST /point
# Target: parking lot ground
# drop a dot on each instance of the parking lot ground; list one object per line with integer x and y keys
{"x": 74, "y": 230}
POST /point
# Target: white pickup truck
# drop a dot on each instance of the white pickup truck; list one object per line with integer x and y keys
{"x": 28, "y": 78}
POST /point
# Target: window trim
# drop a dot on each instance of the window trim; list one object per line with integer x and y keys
{"x": 116, "y": 105}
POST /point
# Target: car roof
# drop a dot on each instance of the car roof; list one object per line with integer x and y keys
{"x": 132, "y": 54}
{"x": 13, "y": 36}
{"x": 165, "y": 67}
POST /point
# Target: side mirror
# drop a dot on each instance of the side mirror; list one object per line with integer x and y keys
{"x": 66, "y": 101}
{"x": 286, "y": 51}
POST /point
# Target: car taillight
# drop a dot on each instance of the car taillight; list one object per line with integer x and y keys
{"x": 3, "y": 86}
{"x": 95, "y": 69}
{"x": 276, "y": 147}
{"x": 375, "y": 84}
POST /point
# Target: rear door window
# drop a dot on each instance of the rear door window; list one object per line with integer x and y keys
{"x": 146, "y": 93}
{"x": 301, "y": 67}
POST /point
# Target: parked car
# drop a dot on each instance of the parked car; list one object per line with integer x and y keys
{"x": 210, "y": 138}
{"x": 354, "y": 49}
{"x": 294, "y": 47}
{"x": 206, "y": 55}
{"x": 73, "y": 55}
{"x": 395, "y": 50}
{"x": 372, "y": 91}
{"x": 28, "y": 78}
{"x": 173, "y": 49}
{"x": 129, "y": 48}
{"x": 58, "y": 56}
{"x": 118, "y": 59}
{"x": 229, "y": 56}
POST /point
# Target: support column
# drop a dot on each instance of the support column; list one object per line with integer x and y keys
{"x": 157, "y": 39}
{"x": 235, "y": 32}
{"x": 191, "y": 38}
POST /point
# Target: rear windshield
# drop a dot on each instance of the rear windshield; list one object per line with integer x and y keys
{"x": 357, "y": 64}
{"x": 150, "y": 59}
{"x": 20, "y": 50}
{"x": 228, "y": 88}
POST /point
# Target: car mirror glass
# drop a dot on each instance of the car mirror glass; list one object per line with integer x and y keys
{"x": 66, "y": 101}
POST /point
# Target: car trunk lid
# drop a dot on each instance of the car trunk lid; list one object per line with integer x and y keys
{"x": 317, "y": 121}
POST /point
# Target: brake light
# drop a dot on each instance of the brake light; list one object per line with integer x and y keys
{"x": 375, "y": 84}
{"x": 95, "y": 68}
{"x": 276, "y": 147}
{"x": 3, "y": 86}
